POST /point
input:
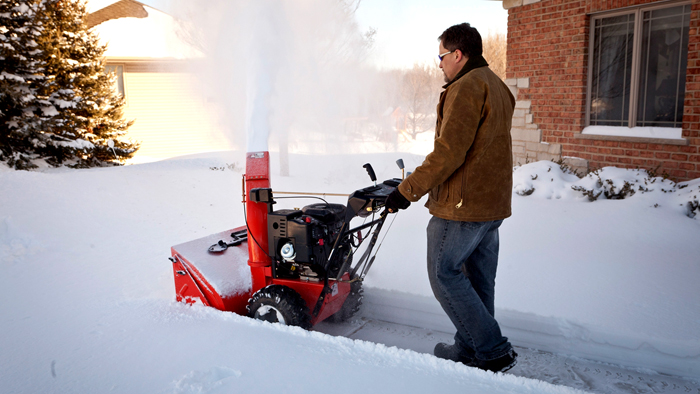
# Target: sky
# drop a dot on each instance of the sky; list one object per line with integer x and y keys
{"x": 407, "y": 30}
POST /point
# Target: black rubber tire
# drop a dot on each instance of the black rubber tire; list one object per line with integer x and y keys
{"x": 279, "y": 304}
{"x": 351, "y": 306}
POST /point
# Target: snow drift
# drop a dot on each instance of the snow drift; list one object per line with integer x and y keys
{"x": 90, "y": 294}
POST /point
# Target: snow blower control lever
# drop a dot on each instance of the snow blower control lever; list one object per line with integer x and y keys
{"x": 370, "y": 171}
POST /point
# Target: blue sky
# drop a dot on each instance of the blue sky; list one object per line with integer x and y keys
{"x": 407, "y": 30}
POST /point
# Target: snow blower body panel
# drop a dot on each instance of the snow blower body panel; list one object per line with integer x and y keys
{"x": 224, "y": 280}
{"x": 221, "y": 280}
{"x": 309, "y": 251}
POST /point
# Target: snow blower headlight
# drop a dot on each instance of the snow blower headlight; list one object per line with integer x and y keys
{"x": 287, "y": 252}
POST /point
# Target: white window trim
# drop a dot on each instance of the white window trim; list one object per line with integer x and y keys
{"x": 123, "y": 66}
{"x": 628, "y": 131}
{"x": 670, "y": 133}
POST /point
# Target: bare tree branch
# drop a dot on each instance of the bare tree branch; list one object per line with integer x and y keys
{"x": 495, "y": 47}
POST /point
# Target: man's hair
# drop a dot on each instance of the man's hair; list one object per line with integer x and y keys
{"x": 463, "y": 37}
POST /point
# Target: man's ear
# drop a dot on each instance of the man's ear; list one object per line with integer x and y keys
{"x": 460, "y": 55}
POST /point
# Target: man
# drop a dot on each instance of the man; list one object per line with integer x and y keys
{"x": 469, "y": 180}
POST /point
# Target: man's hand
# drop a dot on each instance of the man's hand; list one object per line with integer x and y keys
{"x": 396, "y": 201}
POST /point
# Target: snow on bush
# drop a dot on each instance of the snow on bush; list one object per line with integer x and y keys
{"x": 549, "y": 180}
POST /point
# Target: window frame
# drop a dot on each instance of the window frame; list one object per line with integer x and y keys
{"x": 123, "y": 76}
{"x": 636, "y": 55}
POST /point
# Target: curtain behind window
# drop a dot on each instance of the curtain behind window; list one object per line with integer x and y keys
{"x": 612, "y": 70}
{"x": 664, "y": 56}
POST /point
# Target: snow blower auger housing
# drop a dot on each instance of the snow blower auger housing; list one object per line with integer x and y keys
{"x": 292, "y": 266}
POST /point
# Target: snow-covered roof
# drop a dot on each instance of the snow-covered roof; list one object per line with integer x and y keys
{"x": 158, "y": 35}
{"x": 94, "y": 5}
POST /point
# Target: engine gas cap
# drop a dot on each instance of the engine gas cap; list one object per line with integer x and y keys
{"x": 287, "y": 252}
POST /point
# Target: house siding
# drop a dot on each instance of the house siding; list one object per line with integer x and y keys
{"x": 169, "y": 119}
{"x": 547, "y": 71}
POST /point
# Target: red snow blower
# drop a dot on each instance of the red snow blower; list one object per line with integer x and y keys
{"x": 291, "y": 266}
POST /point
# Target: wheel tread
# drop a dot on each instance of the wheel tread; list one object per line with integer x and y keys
{"x": 286, "y": 300}
{"x": 351, "y": 305}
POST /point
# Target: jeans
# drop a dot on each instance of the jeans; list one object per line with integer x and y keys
{"x": 462, "y": 261}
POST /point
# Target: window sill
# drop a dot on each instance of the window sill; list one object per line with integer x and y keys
{"x": 608, "y": 134}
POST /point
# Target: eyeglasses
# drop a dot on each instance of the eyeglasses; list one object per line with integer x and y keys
{"x": 442, "y": 55}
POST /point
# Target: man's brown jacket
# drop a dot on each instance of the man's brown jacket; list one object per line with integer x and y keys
{"x": 469, "y": 174}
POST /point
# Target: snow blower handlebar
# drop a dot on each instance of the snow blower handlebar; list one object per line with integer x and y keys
{"x": 361, "y": 203}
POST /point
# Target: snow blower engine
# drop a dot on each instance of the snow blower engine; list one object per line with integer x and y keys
{"x": 291, "y": 266}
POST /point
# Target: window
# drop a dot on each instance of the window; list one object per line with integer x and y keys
{"x": 119, "y": 71}
{"x": 637, "y": 67}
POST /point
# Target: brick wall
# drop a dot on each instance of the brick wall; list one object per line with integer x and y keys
{"x": 691, "y": 107}
{"x": 547, "y": 72}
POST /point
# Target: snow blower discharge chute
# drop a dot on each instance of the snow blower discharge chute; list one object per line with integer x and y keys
{"x": 291, "y": 266}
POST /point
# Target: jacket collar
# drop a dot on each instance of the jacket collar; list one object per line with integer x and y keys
{"x": 472, "y": 63}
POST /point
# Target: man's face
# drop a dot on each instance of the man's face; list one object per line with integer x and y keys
{"x": 450, "y": 64}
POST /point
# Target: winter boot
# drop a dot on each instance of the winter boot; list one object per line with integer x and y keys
{"x": 501, "y": 364}
{"x": 453, "y": 353}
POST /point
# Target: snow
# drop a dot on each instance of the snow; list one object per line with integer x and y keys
{"x": 262, "y": 72}
{"x": 610, "y": 280}
{"x": 84, "y": 261}
{"x": 12, "y": 77}
{"x": 546, "y": 180}
{"x": 227, "y": 279}
{"x": 49, "y": 111}
{"x": 76, "y": 144}
{"x": 644, "y": 132}
{"x": 64, "y": 103}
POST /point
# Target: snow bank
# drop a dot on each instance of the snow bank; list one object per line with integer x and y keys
{"x": 84, "y": 260}
{"x": 548, "y": 180}
{"x": 90, "y": 297}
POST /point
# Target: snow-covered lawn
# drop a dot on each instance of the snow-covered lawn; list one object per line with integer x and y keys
{"x": 88, "y": 292}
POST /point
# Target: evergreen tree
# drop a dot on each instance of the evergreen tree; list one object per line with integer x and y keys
{"x": 22, "y": 109}
{"x": 86, "y": 126}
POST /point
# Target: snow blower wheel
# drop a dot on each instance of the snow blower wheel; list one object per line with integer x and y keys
{"x": 351, "y": 306}
{"x": 280, "y": 304}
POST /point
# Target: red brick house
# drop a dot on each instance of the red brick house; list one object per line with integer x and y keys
{"x": 606, "y": 83}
